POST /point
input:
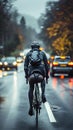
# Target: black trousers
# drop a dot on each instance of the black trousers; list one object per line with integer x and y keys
{"x": 31, "y": 89}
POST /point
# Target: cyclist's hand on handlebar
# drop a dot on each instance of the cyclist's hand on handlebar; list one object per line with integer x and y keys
{"x": 47, "y": 77}
{"x": 47, "y": 81}
{"x": 26, "y": 76}
{"x": 26, "y": 81}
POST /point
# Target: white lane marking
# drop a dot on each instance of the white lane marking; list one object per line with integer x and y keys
{"x": 48, "y": 109}
{"x": 49, "y": 112}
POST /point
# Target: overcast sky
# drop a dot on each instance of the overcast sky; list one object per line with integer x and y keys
{"x": 31, "y": 7}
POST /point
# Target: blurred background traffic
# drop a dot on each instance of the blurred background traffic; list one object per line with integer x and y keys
{"x": 51, "y": 24}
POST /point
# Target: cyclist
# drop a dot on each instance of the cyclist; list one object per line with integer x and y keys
{"x": 43, "y": 67}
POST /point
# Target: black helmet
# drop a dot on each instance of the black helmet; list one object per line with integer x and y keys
{"x": 35, "y": 44}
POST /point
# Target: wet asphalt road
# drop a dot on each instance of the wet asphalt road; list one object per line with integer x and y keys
{"x": 56, "y": 113}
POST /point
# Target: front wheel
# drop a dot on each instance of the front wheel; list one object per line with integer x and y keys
{"x": 37, "y": 103}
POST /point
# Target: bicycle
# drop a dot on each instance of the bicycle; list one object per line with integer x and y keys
{"x": 36, "y": 78}
{"x": 37, "y": 101}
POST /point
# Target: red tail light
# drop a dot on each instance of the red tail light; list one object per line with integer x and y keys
{"x": 62, "y": 76}
{"x": 55, "y": 63}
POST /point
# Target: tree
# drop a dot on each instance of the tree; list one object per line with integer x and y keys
{"x": 5, "y": 17}
{"x": 5, "y": 14}
{"x": 22, "y": 22}
{"x": 60, "y": 30}
{"x": 48, "y": 19}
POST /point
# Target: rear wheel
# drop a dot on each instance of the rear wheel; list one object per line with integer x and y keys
{"x": 37, "y": 112}
{"x": 37, "y": 103}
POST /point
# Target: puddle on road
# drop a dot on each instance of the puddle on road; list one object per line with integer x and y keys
{"x": 55, "y": 108}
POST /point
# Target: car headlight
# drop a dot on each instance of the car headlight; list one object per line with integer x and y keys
{"x": 18, "y": 60}
{"x": 14, "y": 63}
{"x": 5, "y": 63}
{"x": 0, "y": 63}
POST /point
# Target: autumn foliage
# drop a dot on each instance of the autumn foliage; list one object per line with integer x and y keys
{"x": 59, "y": 26}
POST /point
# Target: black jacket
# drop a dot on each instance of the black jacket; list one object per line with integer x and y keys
{"x": 43, "y": 66}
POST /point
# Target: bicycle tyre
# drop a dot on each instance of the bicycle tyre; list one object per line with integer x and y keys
{"x": 37, "y": 109}
{"x": 37, "y": 117}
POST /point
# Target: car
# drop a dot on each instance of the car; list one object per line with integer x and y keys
{"x": 1, "y": 64}
{"x": 62, "y": 65}
{"x": 19, "y": 59}
{"x": 9, "y": 63}
{"x": 51, "y": 59}
{"x": 2, "y": 61}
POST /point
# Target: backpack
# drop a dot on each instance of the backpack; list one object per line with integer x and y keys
{"x": 35, "y": 58}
